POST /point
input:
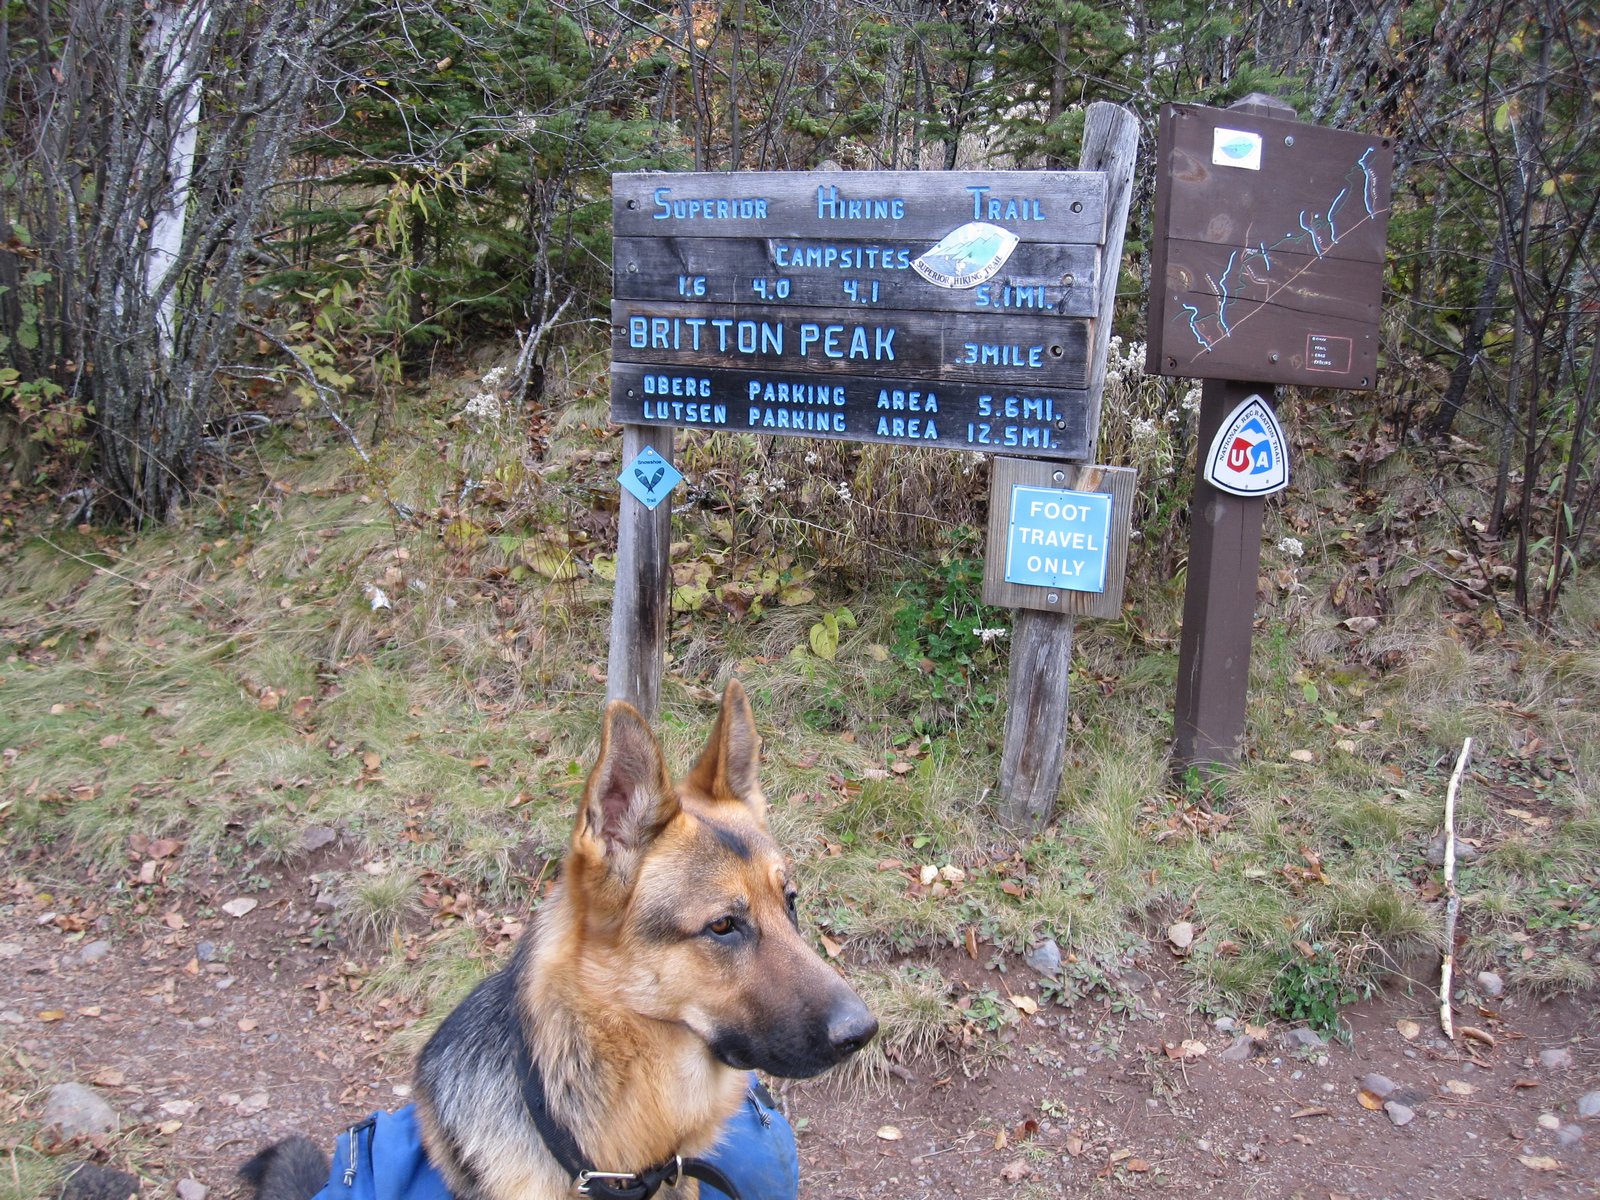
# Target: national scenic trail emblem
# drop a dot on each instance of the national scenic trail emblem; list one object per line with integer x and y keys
{"x": 1248, "y": 456}
{"x": 966, "y": 256}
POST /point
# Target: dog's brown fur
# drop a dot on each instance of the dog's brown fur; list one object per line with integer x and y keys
{"x": 666, "y": 964}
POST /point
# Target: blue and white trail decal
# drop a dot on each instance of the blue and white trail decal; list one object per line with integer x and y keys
{"x": 650, "y": 478}
{"x": 966, "y": 256}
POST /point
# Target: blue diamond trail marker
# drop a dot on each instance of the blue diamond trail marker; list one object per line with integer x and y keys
{"x": 650, "y": 478}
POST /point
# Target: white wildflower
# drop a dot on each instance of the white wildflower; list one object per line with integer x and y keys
{"x": 1191, "y": 400}
{"x": 1144, "y": 429}
{"x": 494, "y": 375}
{"x": 812, "y": 458}
{"x": 483, "y": 409}
{"x": 844, "y": 491}
{"x": 1293, "y": 547}
{"x": 989, "y": 635}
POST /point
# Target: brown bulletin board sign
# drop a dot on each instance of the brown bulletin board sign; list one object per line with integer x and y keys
{"x": 1267, "y": 262}
{"x": 1034, "y": 528}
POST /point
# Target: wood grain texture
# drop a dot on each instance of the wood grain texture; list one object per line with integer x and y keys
{"x": 1247, "y": 264}
{"x": 1049, "y": 422}
{"x": 1041, "y": 649}
{"x": 1117, "y": 482}
{"x": 1018, "y": 349}
{"x": 1036, "y": 718}
{"x": 796, "y": 272}
{"x": 1038, "y": 206}
{"x": 1110, "y": 145}
{"x": 1219, "y": 603}
{"x": 641, "y": 602}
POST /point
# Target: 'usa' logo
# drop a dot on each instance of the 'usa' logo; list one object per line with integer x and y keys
{"x": 1248, "y": 456}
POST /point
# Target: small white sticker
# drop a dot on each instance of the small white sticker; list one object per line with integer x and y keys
{"x": 1236, "y": 148}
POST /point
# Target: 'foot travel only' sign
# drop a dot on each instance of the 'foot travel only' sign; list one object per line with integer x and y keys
{"x": 1058, "y": 538}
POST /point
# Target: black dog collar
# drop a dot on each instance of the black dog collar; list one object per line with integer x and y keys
{"x": 593, "y": 1183}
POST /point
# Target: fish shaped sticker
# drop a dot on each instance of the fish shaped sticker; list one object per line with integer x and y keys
{"x": 966, "y": 256}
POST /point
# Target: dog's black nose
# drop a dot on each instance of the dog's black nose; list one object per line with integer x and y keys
{"x": 851, "y": 1028}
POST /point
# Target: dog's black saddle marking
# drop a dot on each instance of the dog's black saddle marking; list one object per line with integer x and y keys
{"x": 597, "y": 1184}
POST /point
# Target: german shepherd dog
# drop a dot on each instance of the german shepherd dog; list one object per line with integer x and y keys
{"x": 667, "y": 963}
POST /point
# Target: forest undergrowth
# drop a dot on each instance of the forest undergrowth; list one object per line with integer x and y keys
{"x": 410, "y": 651}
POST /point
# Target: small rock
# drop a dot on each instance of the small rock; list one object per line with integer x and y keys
{"x": 315, "y": 837}
{"x": 10, "y": 950}
{"x": 1225, "y": 1024}
{"x": 191, "y": 1189}
{"x": 94, "y": 951}
{"x": 1556, "y": 1058}
{"x": 91, "y": 1181}
{"x": 1045, "y": 958}
{"x": 1303, "y": 1038}
{"x": 205, "y": 951}
{"x": 1399, "y": 1114}
{"x": 1569, "y": 1135}
{"x": 1244, "y": 1048}
{"x": 1380, "y": 1086}
{"x": 1465, "y": 851}
{"x": 1493, "y": 986}
{"x": 1135, "y": 980}
{"x": 1589, "y": 1105}
{"x": 1181, "y": 935}
{"x": 1549, "y": 1121}
{"x": 10, "y": 1016}
{"x": 74, "y": 1110}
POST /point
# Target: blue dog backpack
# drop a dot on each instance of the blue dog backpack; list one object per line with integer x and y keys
{"x": 382, "y": 1158}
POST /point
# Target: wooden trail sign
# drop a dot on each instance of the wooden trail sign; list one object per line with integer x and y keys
{"x": 914, "y": 308}
{"x": 962, "y": 309}
{"x": 1268, "y": 258}
{"x": 1266, "y": 269}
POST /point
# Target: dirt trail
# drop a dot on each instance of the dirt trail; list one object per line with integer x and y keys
{"x": 214, "y": 1034}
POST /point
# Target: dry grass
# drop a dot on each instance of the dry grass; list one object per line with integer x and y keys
{"x": 231, "y": 683}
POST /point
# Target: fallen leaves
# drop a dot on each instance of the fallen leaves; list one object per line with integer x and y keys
{"x": 1409, "y": 1030}
{"x": 1186, "y": 1051}
{"x": 1015, "y": 1171}
{"x": 1180, "y": 936}
{"x": 1538, "y": 1162}
{"x": 889, "y": 1133}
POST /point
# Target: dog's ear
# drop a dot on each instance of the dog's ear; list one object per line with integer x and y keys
{"x": 629, "y": 797}
{"x": 729, "y": 768}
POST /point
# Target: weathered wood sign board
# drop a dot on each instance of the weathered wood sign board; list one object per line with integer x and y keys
{"x": 947, "y": 309}
{"x": 1267, "y": 262}
{"x": 1040, "y": 528}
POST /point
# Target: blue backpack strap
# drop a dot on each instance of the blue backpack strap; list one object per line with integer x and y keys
{"x": 756, "y": 1151}
{"x": 382, "y": 1159}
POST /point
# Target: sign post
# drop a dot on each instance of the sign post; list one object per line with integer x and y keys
{"x": 1035, "y": 745}
{"x": 1267, "y": 267}
{"x": 970, "y": 310}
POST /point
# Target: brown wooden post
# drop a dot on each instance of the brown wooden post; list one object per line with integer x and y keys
{"x": 642, "y": 600}
{"x": 1041, "y": 642}
{"x": 1219, "y": 599}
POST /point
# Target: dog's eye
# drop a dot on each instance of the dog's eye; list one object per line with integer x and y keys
{"x": 792, "y": 898}
{"x": 723, "y": 927}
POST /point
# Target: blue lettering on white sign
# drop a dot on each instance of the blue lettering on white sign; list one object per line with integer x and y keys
{"x": 1058, "y": 538}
